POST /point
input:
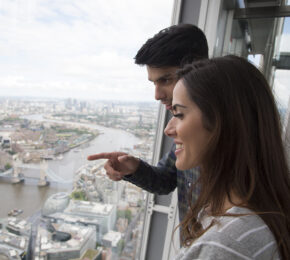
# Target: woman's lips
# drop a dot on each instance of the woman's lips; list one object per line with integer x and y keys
{"x": 179, "y": 148}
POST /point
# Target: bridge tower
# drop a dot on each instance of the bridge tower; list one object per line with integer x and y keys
{"x": 16, "y": 178}
{"x": 43, "y": 176}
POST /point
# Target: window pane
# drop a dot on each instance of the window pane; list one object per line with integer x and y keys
{"x": 267, "y": 48}
{"x": 70, "y": 88}
{"x": 282, "y": 73}
{"x": 265, "y": 42}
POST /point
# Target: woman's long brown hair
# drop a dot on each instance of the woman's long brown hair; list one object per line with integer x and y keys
{"x": 245, "y": 153}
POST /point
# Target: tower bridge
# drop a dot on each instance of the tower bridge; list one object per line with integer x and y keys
{"x": 46, "y": 175}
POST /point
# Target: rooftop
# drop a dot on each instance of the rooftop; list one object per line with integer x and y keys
{"x": 91, "y": 208}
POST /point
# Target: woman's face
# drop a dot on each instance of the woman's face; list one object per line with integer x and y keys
{"x": 187, "y": 129}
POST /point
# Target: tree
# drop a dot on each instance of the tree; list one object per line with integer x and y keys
{"x": 125, "y": 214}
{"x": 8, "y": 166}
{"x": 128, "y": 215}
{"x": 78, "y": 195}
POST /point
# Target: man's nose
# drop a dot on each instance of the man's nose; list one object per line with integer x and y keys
{"x": 170, "y": 128}
{"x": 159, "y": 93}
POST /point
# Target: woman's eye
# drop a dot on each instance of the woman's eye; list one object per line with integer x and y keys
{"x": 178, "y": 115}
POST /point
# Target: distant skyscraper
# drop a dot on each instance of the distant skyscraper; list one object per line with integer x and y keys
{"x": 68, "y": 103}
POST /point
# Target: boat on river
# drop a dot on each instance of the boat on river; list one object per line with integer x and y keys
{"x": 59, "y": 157}
{"x": 14, "y": 212}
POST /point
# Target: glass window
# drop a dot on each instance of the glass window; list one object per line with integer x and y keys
{"x": 70, "y": 88}
{"x": 265, "y": 42}
{"x": 282, "y": 72}
{"x": 268, "y": 49}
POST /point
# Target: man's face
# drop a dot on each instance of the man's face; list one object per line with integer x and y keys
{"x": 164, "y": 80}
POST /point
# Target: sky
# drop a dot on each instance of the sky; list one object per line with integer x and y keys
{"x": 79, "y": 49}
{"x": 85, "y": 48}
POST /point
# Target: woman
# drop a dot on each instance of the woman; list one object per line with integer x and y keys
{"x": 225, "y": 120}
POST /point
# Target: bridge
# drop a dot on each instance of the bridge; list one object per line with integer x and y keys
{"x": 46, "y": 174}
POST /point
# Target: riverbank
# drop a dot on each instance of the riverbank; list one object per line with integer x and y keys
{"x": 30, "y": 198}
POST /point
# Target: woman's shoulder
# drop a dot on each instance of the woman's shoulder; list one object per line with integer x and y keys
{"x": 239, "y": 221}
{"x": 249, "y": 231}
{"x": 242, "y": 237}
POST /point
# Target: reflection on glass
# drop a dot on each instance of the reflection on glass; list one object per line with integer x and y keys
{"x": 282, "y": 73}
{"x": 69, "y": 88}
{"x": 266, "y": 43}
{"x": 281, "y": 83}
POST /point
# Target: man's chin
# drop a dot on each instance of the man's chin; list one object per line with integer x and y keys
{"x": 168, "y": 107}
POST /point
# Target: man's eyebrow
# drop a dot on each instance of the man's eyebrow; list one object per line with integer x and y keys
{"x": 175, "y": 106}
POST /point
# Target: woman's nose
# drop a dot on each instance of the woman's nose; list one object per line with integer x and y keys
{"x": 170, "y": 128}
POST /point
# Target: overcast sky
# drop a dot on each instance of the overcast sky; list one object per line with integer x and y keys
{"x": 85, "y": 48}
{"x": 73, "y": 48}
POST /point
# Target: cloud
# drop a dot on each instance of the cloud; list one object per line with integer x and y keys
{"x": 63, "y": 47}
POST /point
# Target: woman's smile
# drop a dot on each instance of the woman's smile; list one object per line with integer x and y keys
{"x": 179, "y": 148}
{"x": 186, "y": 127}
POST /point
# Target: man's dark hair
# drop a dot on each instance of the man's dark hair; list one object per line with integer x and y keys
{"x": 174, "y": 46}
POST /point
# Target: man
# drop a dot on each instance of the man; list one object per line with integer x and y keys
{"x": 163, "y": 55}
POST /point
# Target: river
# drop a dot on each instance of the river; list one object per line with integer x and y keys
{"x": 29, "y": 197}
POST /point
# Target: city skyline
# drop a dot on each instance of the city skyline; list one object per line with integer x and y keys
{"x": 76, "y": 209}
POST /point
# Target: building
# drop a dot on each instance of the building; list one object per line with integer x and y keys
{"x": 78, "y": 220}
{"x": 60, "y": 208}
{"x": 55, "y": 203}
{"x": 113, "y": 242}
{"x": 12, "y": 243}
{"x": 105, "y": 214}
{"x": 82, "y": 239}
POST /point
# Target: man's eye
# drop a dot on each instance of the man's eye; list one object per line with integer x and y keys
{"x": 166, "y": 81}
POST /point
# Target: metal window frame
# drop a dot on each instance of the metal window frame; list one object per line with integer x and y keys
{"x": 150, "y": 197}
{"x": 151, "y": 207}
{"x": 206, "y": 19}
{"x": 262, "y": 12}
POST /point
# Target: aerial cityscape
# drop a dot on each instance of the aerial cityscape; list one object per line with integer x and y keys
{"x": 56, "y": 204}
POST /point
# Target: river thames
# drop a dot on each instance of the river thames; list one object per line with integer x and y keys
{"x": 30, "y": 198}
